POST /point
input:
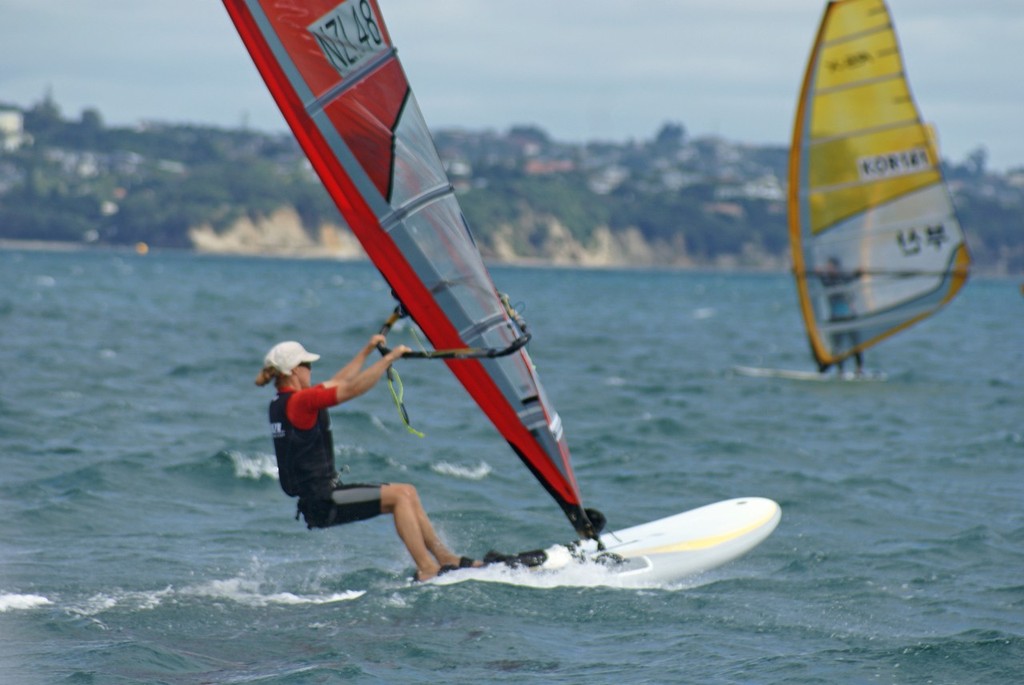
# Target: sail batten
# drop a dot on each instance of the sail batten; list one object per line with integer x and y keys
{"x": 335, "y": 74}
{"x": 319, "y": 103}
{"x": 855, "y": 36}
{"x": 876, "y": 244}
{"x": 866, "y": 83}
{"x": 893, "y": 126}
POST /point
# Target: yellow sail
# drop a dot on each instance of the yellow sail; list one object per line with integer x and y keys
{"x": 876, "y": 244}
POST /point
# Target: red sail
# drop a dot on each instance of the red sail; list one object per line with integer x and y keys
{"x": 333, "y": 71}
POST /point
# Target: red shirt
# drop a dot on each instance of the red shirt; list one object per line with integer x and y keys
{"x": 305, "y": 405}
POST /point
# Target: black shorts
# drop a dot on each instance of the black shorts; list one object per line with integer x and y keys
{"x": 348, "y": 503}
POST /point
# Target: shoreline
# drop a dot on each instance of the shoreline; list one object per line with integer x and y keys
{"x": 332, "y": 255}
{"x": 42, "y": 245}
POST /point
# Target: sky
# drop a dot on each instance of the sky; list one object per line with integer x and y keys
{"x": 582, "y": 70}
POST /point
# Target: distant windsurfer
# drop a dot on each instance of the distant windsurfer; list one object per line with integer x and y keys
{"x": 301, "y": 429}
{"x": 840, "y": 306}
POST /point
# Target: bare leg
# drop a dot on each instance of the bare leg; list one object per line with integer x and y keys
{"x": 414, "y": 528}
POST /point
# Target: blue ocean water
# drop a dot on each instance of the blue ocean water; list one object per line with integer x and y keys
{"x": 146, "y": 539}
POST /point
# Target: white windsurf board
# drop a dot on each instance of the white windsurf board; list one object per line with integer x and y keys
{"x": 654, "y": 553}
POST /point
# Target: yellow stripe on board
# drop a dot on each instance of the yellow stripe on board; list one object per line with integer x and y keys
{"x": 703, "y": 543}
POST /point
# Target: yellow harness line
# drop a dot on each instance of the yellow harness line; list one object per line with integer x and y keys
{"x": 398, "y": 396}
{"x": 395, "y": 381}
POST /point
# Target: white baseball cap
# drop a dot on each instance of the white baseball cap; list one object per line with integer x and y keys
{"x": 287, "y": 355}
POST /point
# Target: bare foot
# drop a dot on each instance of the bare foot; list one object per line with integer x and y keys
{"x": 422, "y": 575}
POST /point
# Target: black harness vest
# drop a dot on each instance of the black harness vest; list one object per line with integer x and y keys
{"x": 305, "y": 458}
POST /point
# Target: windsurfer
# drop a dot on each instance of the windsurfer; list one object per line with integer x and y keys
{"x": 840, "y": 306}
{"x": 301, "y": 429}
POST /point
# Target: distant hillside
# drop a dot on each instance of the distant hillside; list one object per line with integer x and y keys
{"x": 671, "y": 200}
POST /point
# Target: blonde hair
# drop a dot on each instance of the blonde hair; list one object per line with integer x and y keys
{"x": 266, "y": 374}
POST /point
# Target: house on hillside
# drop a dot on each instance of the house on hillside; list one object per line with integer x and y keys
{"x": 12, "y": 130}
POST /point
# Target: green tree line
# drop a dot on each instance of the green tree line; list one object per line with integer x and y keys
{"x": 78, "y": 180}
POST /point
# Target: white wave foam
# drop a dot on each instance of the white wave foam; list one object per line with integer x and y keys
{"x": 704, "y": 313}
{"x": 15, "y": 602}
{"x": 589, "y": 574}
{"x": 346, "y": 451}
{"x": 244, "y": 591}
{"x": 250, "y": 593}
{"x": 478, "y": 472}
{"x": 379, "y": 425}
{"x": 138, "y": 600}
{"x": 395, "y": 464}
{"x": 999, "y": 436}
{"x": 577, "y": 575}
{"x": 254, "y": 467}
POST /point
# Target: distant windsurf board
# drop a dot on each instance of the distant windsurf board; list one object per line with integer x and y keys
{"x": 815, "y": 376}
